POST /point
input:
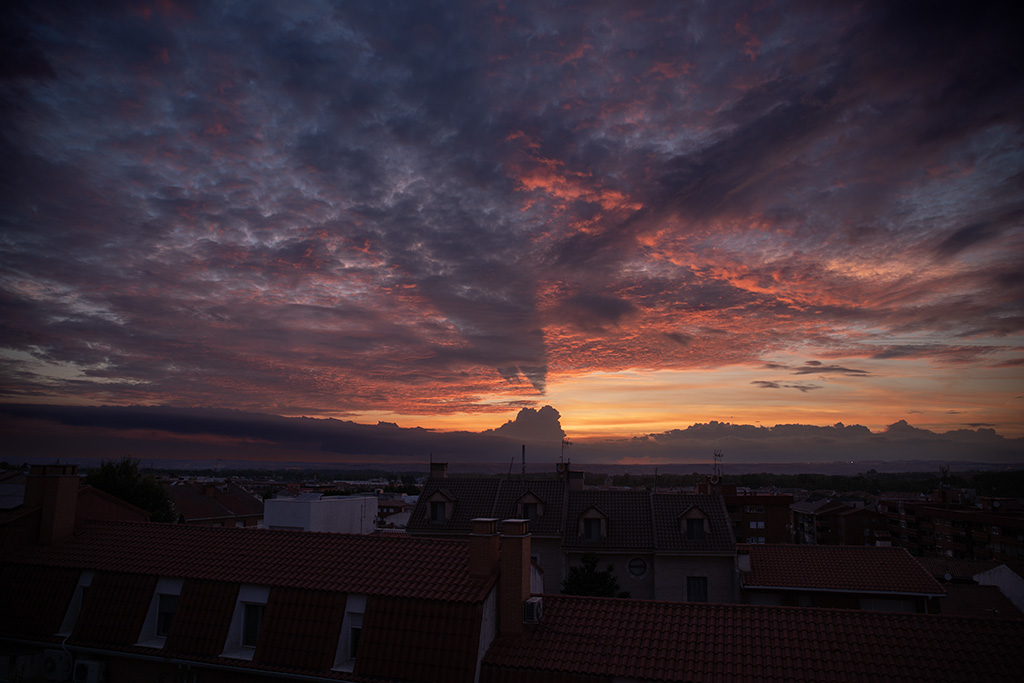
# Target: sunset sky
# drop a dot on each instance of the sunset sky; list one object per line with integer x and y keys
{"x": 645, "y": 215}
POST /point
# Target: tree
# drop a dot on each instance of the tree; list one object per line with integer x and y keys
{"x": 587, "y": 579}
{"x": 121, "y": 478}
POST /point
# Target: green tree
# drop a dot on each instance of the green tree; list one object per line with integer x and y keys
{"x": 121, "y": 478}
{"x": 587, "y": 579}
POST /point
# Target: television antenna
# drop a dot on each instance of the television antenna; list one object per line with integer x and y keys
{"x": 716, "y": 474}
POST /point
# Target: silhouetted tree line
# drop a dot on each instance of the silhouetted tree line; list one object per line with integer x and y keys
{"x": 1004, "y": 484}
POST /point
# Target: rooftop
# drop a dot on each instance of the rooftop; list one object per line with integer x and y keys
{"x": 871, "y": 569}
{"x": 372, "y": 565}
{"x": 639, "y": 639}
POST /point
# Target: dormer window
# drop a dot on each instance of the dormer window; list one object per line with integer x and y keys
{"x": 252, "y": 619}
{"x": 160, "y": 614}
{"x": 694, "y": 525}
{"x": 246, "y": 622}
{"x": 439, "y": 507}
{"x": 593, "y": 525}
{"x": 530, "y": 507}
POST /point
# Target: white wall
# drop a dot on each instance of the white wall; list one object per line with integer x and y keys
{"x": 1007, "y": 580}
{"x": 343, "y": 514}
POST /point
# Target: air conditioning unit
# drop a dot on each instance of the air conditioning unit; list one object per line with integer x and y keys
{"x": 88, "y": 671}
{"x": 56, "y": 665}
{"x": 532, "y": 610}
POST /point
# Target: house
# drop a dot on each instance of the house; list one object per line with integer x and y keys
{"x": 316, "y": 512}
{"x": 121, "y": 601}
{"x": 665, "y": 546}
{"x": 834, "y": 522}
{"x": 213, "y": 503}
{"x": 756, "y": 517}
{"x": 849, "y": 577}
{"x": 139, "y": 601}
{"x": 37, "y": 510}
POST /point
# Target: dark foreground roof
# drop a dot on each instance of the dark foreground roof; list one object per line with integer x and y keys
{"x": 436, "y": 569}
{"x": 600, "y": 639}
{"x": 859, "y": 568}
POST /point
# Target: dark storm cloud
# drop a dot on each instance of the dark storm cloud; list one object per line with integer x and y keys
{"x": 347, "y": 207}
{"x": 191, "y": 437}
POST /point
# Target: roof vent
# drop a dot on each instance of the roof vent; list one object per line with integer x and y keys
{"x": 532, "y": 610}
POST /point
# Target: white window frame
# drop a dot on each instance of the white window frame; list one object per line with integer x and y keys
{"x": 234, "y": 647}
{"x": 75, "y": 607}
{"x": 355, "y": 608}
{"x": 148, "y": 636}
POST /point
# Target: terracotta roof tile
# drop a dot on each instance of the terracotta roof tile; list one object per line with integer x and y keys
{"x": 201, "y": 621}
{"x": 874, "y": 569}
{"x": 225, "y": 500}
{"x": 300, "y": 628}
{"x": 420, "y": 640}
{"x": 638, "y": 639}
{"x": 114, "y": 608}
{"x": 375, "y": 565}
{"x": 38, "y": 605}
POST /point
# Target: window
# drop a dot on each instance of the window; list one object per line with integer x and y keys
{"x": 530, "y": 511}
{"x": 437, "y": 511}
{"x": 637, "y": 567}
{"x": 754, "y": 509}
{"x": 757, "y": 525}
{"x": 353, "y": 641}
{"x": 165, "y": 613}
{"x": 697, "y": 588}
{"x": 351, "y": 632}
{"x": 592, "y": 529}
{"x": 695, "y": 529}
{"x": 756, "y": 539}
{"x": 251, "y": 622}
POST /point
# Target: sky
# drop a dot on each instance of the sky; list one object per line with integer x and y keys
{"x": 614, "y": 221}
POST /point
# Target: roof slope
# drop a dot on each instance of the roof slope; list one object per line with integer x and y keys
{"x": 874, "y": 569}
{"x": 968, "y": 600}
{"x": 374, "y": 565}
{"x": 640, "y": 639}
{"x": 627, "y": 513}
{"x": 550, "y": 491}
{"x": 224, "y": 500}
{"x": 472, "y": 497}
{"x": 668, "y": 529}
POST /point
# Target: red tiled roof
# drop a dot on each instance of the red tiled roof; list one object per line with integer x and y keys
{"x": 601, "y": 638}
{"x": 967, "y": 600}
{"x": 376, "y": 565}
{"x": 300, "y": 628}
{"x": 37, "y": 605}
{"x": 872, "y": 569}
{"x": 203, "y": 617}
{"x": 420, "y": 640}
{"x": 115, "y": 607}
{"x": 225, "y": 500}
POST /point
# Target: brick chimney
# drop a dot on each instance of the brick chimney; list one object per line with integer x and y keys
{"x": 514, "y": 582}
{"x": 54, "y": 488}
{"x": 438, "y": 470}
{"x": 483, "y": 548}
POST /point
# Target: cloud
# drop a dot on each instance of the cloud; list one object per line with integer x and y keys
{"x": 767, "y": 384}
{"x": 816, "y": 367}
{"x": 40, "y": 432}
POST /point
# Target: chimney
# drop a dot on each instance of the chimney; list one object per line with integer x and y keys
{"x": 438, "y": 470}
{"x": 575, "y": 480}
{"x": 54, "y": 488}
{"x": 514, "y": 582}
{"x": 483, "y": 548}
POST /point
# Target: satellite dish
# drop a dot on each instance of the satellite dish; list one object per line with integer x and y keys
{"x": 948, "y": 576}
